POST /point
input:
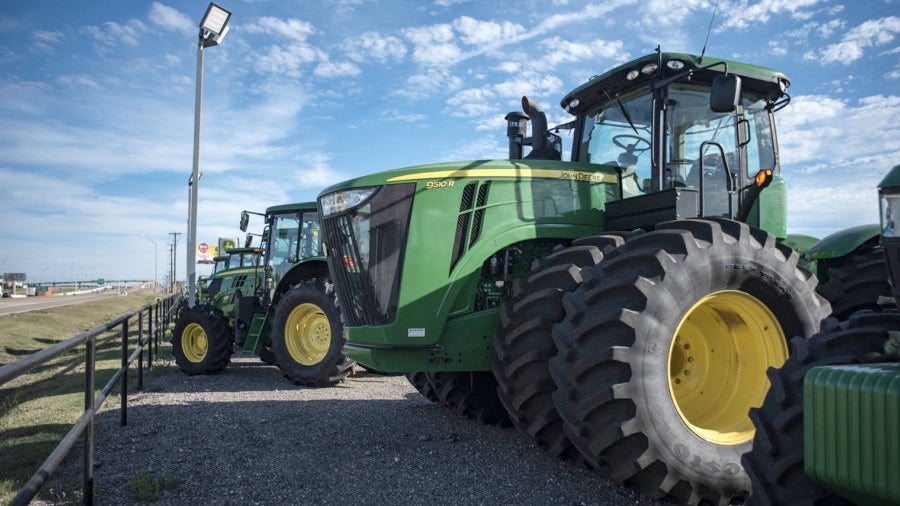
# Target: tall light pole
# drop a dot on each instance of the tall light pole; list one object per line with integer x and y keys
{"x": 213, "y": 28}
{"x": 155, "y": 264}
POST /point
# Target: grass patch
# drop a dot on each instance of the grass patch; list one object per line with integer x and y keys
{"x": 147, "y": 488}
{"x": 39, "y": 408}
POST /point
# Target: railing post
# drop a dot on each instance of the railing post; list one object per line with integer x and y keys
{"x": 150, "y": 328}
{"x": 140, "y": 342}
{"x": 123, "y": 408}
{"x": 89, "y": 366}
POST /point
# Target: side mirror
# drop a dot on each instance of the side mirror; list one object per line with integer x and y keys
{"x": 248, "y": 241}
{"x": 245, "y": 219}
{"x": 726, "y": 93}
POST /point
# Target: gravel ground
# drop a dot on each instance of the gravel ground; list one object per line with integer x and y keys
{"x": 248, "y": 436}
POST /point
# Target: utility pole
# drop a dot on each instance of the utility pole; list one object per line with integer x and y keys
{"x": 174, "y": 264}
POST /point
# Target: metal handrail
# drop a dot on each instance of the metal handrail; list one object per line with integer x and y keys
{"x": 163, "y": 309}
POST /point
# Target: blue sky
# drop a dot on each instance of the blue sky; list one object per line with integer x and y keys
{"x": 97, "y": 101}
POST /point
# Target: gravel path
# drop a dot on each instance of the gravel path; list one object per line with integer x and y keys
{"x": 247, "y": 436}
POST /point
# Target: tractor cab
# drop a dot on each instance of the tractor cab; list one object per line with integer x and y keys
{"x": 679, "y": 128}
{"x": 291, "y": 236}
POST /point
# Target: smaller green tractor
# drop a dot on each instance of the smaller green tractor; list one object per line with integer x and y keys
{"x": 828, "y": 431}
{"x": 276, "y": 301}
{"x": 232, "y": 259}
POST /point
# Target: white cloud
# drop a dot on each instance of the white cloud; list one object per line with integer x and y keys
{"x": 111, "y": 34}
{"x": 484, "y": 148}
{"x": 374, "y": 46}
{"x": 287, "y": 60}
{"x": 872, "y": 33}
{"x": 563, "y": 51}
{"x": 840, "y": 134}
{"x": 432, "y": 45}
{"x": 473, "y": 103}
{"x": 397, "y": 116}
{"x": 673, "y": 12}
{"x": 475, "y": 32}
{"x": 776, "y": 48}
{"x": 329, "y": 69}
{"x": 424, "y": 84}
{"x": 77, "y": 81}
{"x": 45, "y": 40}
{"x": 834, "y": 152}
{"x": 292, "y": 29}
{"x": 825, "y": 30}
{"x": 170, "y": 18}
{"x": 742, "y": 14}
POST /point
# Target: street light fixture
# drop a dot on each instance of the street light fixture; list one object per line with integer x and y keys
{"x": 214, "y": 25}
{"x": 213, "y": 28}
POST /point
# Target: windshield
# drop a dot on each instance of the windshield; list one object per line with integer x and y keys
{"x": 293, "y": 237}
{"x": 220, "y": 265}
{"x": 620, "y": 136}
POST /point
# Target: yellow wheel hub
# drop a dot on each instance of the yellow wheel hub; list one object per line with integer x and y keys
{"x": 307, "y": 334}
{"x": 717, "y": 364}
{"x": 194, "y": 343}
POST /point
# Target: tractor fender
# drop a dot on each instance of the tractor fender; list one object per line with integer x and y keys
{"x": 800, "y": 243}
{"x": 842, "y": 242}
{"x": 315, "y": 267}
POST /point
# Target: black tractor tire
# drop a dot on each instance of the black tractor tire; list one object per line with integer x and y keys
{"x": 470, "y": 394}
{"x": 523, "y": 344}
{"x": 775, "y": 464}
{"x": 857, "y": 283}
{"x": 308, "y": 336}
{"x": 266, "y": 355}
{"x": 678, "y": 328}
{"x": 201, "y": 341}
{"x": 419, "y": 381}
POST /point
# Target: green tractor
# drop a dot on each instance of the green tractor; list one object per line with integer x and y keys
{"x": 277, "y": 302}
{"x": 829, "y": 429}
{"x": 233, "y": 258}
{"x": 622, "y": 307}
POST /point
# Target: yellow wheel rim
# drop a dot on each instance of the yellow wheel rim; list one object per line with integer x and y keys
{"x": 194, "y": 343}
{"x": 717, "y": 364}
{"x": 307, "y": 334}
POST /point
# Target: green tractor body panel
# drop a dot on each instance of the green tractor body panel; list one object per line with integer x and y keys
{"x": 423, "y": 256}
{"x": 838, "y": 245}
{"x": 465, "y": 213}
{"x": 770, "y": 211}
{"x": 842, "y": 242}
{"x": 800, "y": 242}
{"x": 851, "y": 430}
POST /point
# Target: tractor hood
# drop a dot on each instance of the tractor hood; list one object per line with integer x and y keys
{"x": 541, "y": 169}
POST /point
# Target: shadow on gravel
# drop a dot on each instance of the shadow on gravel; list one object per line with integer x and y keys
{"x": 247, "y": 436}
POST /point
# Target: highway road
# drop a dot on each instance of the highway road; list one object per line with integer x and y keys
{"x": 16, "y": 305}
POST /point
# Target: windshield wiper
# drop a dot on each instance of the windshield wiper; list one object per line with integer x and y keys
{"x": 624, "y": 112}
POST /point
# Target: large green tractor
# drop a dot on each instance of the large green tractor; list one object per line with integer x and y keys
{"x": 829, "y": 429}
{"x": 621, "y": 307}
{"x": 277, "y": 303}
